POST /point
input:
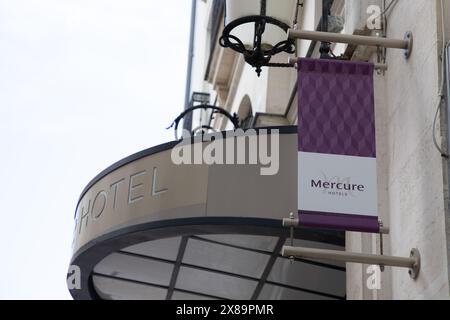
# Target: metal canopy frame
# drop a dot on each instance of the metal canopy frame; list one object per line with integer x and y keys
{"x": 194, "y": 228}
{"x": 93, "y": 252}
{"x": 274, "y": 254}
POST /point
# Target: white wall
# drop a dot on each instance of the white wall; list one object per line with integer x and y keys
{"x": 409, "y": 167}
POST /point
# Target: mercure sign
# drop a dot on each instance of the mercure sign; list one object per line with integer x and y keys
{"x": 337, "y": 178}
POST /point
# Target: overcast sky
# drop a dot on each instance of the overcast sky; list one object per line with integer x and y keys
{"x": 83, "y": 83}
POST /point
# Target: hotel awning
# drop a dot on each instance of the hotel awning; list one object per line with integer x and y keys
{"x": 149, "y": 229}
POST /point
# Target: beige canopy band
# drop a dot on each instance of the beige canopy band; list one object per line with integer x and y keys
{"x": 412, "y": 262}
{"x": 378, "y": 66}
{"x": 406, "y": 44}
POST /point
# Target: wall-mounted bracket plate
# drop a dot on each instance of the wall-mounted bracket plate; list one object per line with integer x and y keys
{"x": 414, "y": 270}
{"x": 408, "y": 37}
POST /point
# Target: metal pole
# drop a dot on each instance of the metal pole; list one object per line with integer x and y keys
{"x": 413, "y": 262}
{"x": 325, "y": 45}
{"x": 187, "y": 95}
{"x": 447, "y": 94}
{"x": 405, "y": 44}
{"x": 347, "y": 38}
{"x": 288, "y": 222}
{"x": 377, "y": 66}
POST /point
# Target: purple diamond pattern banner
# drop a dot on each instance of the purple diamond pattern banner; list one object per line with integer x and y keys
{"x": 336, "y": 144}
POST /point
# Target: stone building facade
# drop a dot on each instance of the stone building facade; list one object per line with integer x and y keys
{"x": 412, "y": 174}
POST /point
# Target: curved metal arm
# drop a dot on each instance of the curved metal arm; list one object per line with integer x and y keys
{"x": 233, "y": 118}
{"x": 257, "y": 56}
{"x": 203, "y": 127}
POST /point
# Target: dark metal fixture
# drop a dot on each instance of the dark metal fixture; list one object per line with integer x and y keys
{"x": 216, "y": 110}
{"x": 325, "y": 46}
{"x": 258, "y": 30}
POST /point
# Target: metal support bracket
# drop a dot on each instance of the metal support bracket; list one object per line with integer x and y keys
{"x": 406, "y": 44}
{"x": 412, "y": 263}
{"x": 289, "y": 222}
{"x": 291, "y": 230}
{"x": 409, "y": 39}
{"x": 377, "y": 66}
{"x": 415, "y": 268}
{"x": 381, "y": 244}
